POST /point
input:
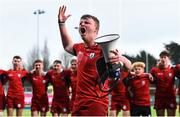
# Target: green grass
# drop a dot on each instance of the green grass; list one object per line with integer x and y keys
{"x": 27, "y": 112}
{"x": 153, "y": 112}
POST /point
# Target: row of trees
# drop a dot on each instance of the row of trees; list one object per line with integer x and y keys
{"x": 44, "y": 55}
{"x": 34, "y": 55}
{"x": 172, "y": 47}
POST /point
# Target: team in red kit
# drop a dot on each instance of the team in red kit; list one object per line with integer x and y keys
{"x": 38, "y": 81}
{"x": 59, "y": 78}
{"x": 76, "y": 89}
{"x": 15, "y": 92}
{"x": 88, "y": 101}
{"x": 165, "y": 95}
{"x": 138, "y": 88}
{"x": 2, "y": 95}
{"x": 119, "y": 98}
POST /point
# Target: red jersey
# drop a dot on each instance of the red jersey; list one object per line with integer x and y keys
{"x": 177, "y": 70}
{"x": 120, "y": 100}
{"x": 140, "y": 88}
{"x": 1, "y": 83}
{"x": 164, "y": 79}
{"x": 87, "y": 82}
{"x": 177, "y": 73}
{"x": 15, "y": 81}
{"x": 120, "y": 89}
{"x": 39, "y": 85}
{"x": 73, "y": 86}
{"x": 60, "y": 82}
{"x": 2, "y": 95}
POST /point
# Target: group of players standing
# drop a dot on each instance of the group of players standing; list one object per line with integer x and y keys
{"x": 61, "y": 80}
{"x": 132, "y": 94}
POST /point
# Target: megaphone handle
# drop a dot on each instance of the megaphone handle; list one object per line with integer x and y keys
{"x": 114, "y": 70}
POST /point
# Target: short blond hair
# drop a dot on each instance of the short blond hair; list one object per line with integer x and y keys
{"x": 138, "y": 64}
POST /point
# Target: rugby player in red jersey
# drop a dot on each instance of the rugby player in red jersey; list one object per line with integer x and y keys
{"x": 15, "y": 93}
{"x": 60, "y": 80}
{"x": 119, "y": 98}
{"x": 39, "y": 101}
{"x": 165, "y": 97}
{"x": 177, "y": 71}
{"x": 139, "y": 89}
{"x": 89, "y": 99}
{"x": 73, "y": 68}
{"x": 2, "y": 95}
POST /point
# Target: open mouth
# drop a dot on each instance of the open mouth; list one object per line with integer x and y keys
{"x": 82, "y": 30}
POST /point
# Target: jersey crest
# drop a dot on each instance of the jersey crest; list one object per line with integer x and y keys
{"x": 170, "y": 75}
{"x": 91, "y": 55}
{"x": 19, "y": 75}
{"x": 44, "y": 81}
{"x": 53, "y": 77}
{"x": 143, "y": 83}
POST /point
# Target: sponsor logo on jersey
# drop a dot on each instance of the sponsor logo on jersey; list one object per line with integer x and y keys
{"x": 10, "y": 75}
{"x": 159, "y": 74}
{"x": 79, "y": 57}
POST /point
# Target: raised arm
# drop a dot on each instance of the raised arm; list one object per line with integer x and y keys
{"x": 65, "y": 37}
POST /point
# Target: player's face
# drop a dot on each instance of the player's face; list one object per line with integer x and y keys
{"x": 138, "y": 71}
{"x": 164, "y": 61}
{"x": 17, "y": 63}
{"x": 87, "y": 29}
{"x": 57, "y": 67}
{"x": 74, "y": 65}
{"x": 38, "y": 66}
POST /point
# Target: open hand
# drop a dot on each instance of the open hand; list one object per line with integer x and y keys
{"x": 61, "y": 16}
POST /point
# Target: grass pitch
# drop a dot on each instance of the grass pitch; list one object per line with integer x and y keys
{"x": 27, "y": 112}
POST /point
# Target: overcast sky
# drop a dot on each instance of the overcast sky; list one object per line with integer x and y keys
{"x": 141, "y": 24}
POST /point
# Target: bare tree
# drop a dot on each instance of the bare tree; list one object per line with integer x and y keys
{"x": 65, "y": 58}
{"x": 45, "y": 55}
{"x": 32, "y": 56}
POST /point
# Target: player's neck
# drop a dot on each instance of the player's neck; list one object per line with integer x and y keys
{"x": 58, "y": 71}
{"x": 39, "y": 73}
{"x": 89, "y": 44}
{"x": 74, "y": 71}
{"x": 16, "y": 69}
{"x": 165, "y": 67}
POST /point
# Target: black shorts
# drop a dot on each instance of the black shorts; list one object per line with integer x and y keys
{"x": 140, "y": 110}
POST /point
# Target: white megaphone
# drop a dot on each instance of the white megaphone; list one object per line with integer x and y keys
{"x": 108, "y": 43}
